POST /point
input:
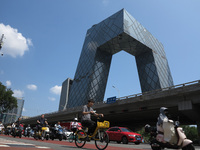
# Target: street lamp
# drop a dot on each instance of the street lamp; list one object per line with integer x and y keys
{"x": 117, "y": 90}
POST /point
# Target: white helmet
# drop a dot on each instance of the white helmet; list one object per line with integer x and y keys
{"x": 75, "y": 119}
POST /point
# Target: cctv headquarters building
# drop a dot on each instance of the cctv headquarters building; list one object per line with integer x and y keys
{"x": 118, "y": 32}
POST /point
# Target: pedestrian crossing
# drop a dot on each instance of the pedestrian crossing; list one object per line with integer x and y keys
{"x": 11, "y": 143}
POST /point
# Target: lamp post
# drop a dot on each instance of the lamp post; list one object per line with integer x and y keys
{"x": 117, "y": 90}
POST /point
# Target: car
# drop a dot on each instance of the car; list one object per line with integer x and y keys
{"x": 124, "y": 135}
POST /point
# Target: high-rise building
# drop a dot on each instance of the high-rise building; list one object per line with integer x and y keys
{"x": 12, "y": 115}
{"x": 118, "y": 32}
{"x": 65, "y": 93}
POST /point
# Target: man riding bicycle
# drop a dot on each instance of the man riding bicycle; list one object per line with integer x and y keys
{"x": 86, "y": 117}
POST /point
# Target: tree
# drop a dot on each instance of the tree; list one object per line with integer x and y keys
{"x": 7, "y": 101}
{"x": 191, "y": 132}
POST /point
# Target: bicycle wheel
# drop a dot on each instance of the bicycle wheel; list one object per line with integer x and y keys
{"x": 80, "y": 138}
{"x": 101, "y": 140}
{"x": 71, "y": 137}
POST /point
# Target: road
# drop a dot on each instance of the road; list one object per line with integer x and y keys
{"x": 10, "y": 143}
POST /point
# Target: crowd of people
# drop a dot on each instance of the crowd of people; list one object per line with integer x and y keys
{"x": 29, "y": 130}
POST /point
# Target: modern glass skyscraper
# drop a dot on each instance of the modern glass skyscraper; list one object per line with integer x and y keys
{"x": 12, "y": 115}
{"x": 118, "y": 32}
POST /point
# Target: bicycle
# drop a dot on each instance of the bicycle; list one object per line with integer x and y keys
{"x": 100, "y": 136}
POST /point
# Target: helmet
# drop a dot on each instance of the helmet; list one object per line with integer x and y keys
{"x": 75, "y": 119}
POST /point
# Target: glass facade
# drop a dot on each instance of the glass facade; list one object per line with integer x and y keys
{"x": 118, "y": 32}
{"x": 12, "y": 115}
{"x": 64, "y": 93}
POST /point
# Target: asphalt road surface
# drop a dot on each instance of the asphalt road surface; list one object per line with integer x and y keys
{"x": 10, "y": 143}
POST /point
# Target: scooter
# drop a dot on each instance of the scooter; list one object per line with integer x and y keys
{"x": 18, "y": 131}
{"x": 179, "y": 141}
{"x": 1, "y": 129}
{"x": 41, "y": 134}
{"x": 57, "y": 133}
{"x": 27, "y": 131}
{"x": 7, "y": 130}
{"x": 45, "y": 133}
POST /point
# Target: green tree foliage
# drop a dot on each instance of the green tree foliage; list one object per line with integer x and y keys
{"x": 7, "y": 101}
{"x": 191, "y": 132}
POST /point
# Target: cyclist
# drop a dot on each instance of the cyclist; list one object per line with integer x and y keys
{"x": 86, "y": 117}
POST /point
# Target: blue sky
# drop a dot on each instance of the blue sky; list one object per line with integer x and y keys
{"x": 44, "y": 39}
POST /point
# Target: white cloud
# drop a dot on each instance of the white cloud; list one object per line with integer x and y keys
{"x": 15, "y": 44}
{"x": 32, "y": 87}
{"x": 8, "y": 83}
{"x": 23, "y": 109}
{"x": 51, "y": 98}
{"x": 18, "y": 93}
{"x": 56, "y": 89}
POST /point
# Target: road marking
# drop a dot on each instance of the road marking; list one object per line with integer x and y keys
{"x": 42, "y": 147}
{"x": 11, "y": 143}
{"x": 4, "y": 146}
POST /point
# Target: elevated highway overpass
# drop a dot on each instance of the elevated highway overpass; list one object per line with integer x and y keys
{"x": 137, "y": 110}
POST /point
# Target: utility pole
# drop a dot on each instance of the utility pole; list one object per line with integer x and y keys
{"x": 1, "y": 43}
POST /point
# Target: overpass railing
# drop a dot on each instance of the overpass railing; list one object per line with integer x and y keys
{"x": 75, "y": 109}
{"x": 160, "y": 90}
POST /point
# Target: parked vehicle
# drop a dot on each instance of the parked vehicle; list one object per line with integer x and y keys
{"x": 124, "y": 135}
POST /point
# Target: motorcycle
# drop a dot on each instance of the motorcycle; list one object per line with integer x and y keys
{"x": 41, "y": 134}
{"x": 1, "y": 128}
{"x": 66, "y": 134}
{"x": 45, "y": 133}
{"x": 18, "y": 131}
{"x": 27, "y": 131}
{"x": 57, "y": 133}
{"x": 177, "y": 141}
{"x": 7, "y": 131}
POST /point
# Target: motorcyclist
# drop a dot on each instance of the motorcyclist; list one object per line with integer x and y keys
{"x": 166, "y": 126}
{"x": 18, "y": 122}
{"x": 57, "y": 125}
{"x": 42, "y": 122}
{"x": 74, "y": 125}
{"x": 1, "y": 126}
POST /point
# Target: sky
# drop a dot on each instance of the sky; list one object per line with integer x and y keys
{"x": 44, "y": 38}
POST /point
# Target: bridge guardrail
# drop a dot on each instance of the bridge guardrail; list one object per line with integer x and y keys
{"x": 130, "y": 96}
{"x": 160, "y": 90}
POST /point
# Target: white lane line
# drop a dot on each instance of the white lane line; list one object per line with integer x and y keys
{"x": 42, "y": 147}
{"x": 18, "y": 143}
{"x": 4, "y": 146}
